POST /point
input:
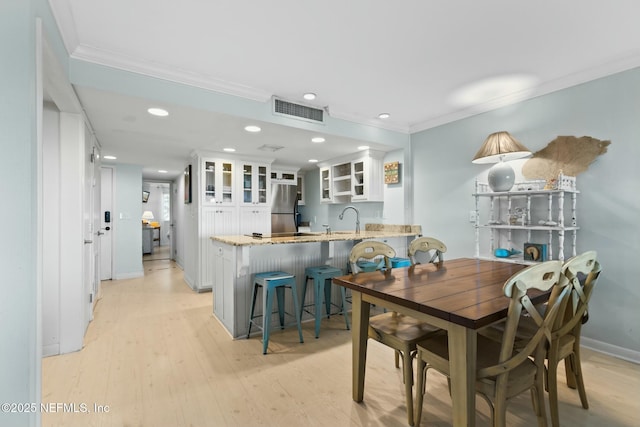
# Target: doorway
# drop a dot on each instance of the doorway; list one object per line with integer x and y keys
{"x": 156, "y": 211}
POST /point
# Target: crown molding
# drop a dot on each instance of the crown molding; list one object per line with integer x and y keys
{"x": 603, "y": 70}
{"x": 165, "y": 72}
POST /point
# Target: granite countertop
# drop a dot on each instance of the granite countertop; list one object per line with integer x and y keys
{"x": 377, "y": 231}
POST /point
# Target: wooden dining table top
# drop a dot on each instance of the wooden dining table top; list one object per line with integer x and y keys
{"x": 465, "y": 291}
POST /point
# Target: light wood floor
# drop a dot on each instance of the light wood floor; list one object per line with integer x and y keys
{"x": 156, "y": 356}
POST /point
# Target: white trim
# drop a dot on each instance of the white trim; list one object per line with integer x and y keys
{"x": 36, "y": 354}
{"x": 162, "y": 71}
{"x": 64, "y": 19}
{"x": 612, "y": 350}
{"x": 132, "y": 275}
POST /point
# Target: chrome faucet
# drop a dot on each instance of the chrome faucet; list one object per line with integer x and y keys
{"x": 357, "y": 217}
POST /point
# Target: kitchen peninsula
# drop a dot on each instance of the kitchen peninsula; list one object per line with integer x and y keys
{"x": 236, "y": 258}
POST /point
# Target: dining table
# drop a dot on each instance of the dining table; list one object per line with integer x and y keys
{"x": 460, "y": 296}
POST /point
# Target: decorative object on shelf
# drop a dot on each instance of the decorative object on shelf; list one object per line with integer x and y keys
{"x": 391, "y": 173}
{"x": 505, "y": 253}
{"x": 570, "y": 154}
{"x": 498, "y": 148}
{"x": 535, "y": 251}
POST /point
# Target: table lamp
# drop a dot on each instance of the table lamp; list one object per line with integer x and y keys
{"x": 498, "y": 148}
{"x": 147, "y": 216}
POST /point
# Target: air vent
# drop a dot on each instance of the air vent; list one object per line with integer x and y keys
{"x": 303, "y": 112}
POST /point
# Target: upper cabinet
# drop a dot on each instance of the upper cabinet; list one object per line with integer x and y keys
{"x": 356, "y": 178}
{"x": 280, "y": 174}
{"x": 218, "y": 182}
{"x": 254, "y": 179}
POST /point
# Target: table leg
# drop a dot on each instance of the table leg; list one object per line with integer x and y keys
{"x": 462, "y": 359}
{"x": 359, "y": 335}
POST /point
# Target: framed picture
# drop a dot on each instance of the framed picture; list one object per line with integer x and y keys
{"x": 145, "y": 196}
{"x": 187, "y": 184}
{"x": 392, "y": 173}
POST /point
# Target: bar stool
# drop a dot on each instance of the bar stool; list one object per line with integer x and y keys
{"x": 322, "y": 276}
{"x": 270, "y": 281}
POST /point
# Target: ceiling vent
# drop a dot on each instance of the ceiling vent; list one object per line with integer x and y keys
{"x": 298, "y": 111}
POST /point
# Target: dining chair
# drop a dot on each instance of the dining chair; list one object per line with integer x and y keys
{"x": 431, "y": 247}
{"x": 581, "y": 272}
{"x": 503, "y": 371}
{"x": 392, "y": 329}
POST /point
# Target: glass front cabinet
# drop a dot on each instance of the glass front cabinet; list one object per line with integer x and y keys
{"x": 255, "y": 179}
{"x": 218, "y": 182}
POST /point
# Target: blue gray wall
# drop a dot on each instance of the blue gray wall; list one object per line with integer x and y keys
{"x": 608, "y": 206}
{"x": 128, "y": 222}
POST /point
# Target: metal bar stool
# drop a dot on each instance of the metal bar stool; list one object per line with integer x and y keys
{"x": 322, "y": 276}
{"x": 270, "y": 281}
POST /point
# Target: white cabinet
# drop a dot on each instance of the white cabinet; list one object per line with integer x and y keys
{"x": 300, "y": 190}
{"x": 280, "y": 174}
{"x": 367, "y": 182}
{"x": 326, "y": 184}
{"x": 218, "y": 182}
{"x": 255, "y": 219}
{"x": 529, "y": 219}
{"x": 356, "y": 178}
{"x": 254, "y": 180}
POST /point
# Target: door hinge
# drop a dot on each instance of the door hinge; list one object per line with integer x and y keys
{"x": 90, "y": 298}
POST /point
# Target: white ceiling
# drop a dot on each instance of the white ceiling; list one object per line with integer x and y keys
{"x": 425, "y": 62}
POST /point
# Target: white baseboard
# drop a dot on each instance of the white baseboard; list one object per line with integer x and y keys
{"x": 131, "y": 275}
{"x": 612, "y": 350}
{"x": 50, "y": 350}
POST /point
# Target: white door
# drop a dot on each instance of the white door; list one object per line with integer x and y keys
{"x": 106, "y": 221}
{"x": 91, "y": 225}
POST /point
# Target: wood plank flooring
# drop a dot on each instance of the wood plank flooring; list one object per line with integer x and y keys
{"x": 156, "y": 356}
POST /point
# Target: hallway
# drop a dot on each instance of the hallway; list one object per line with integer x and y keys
{"x": 155, "y": 356}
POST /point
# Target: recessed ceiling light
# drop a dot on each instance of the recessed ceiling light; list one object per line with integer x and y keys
{"x": 317, "y": 139}
{"x": 252, "y": 128}
{"x": 363, "y": 147}
{"x": 313, "y": 160}
{"x": 229, "y": 150}
{"x": 309, "y": 96}
{"x": 384, "y": 115}
{"x": 160, "y": 112}
{"x": 162, "y": 171}
{"x": 110, "y": 157}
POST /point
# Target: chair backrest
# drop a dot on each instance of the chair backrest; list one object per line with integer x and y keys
{"x": 543, "y": 277}
{"x": 582, "y": 272}
{"x": 433, "y": 247}
{"x": 370, "y": 250}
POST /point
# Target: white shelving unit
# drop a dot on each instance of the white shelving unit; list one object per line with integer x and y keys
{"x": 528, "y": 214}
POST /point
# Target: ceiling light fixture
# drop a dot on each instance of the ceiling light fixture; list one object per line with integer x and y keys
{"x": 229, "y": 150}
{"x": 309, "y": 96}
{"x": 317, "y": 139}
{"x": 109, "y": 157}
{"x": 160, "y": 112}
{"x": 363, "y": 147}
{"x": 162, "y": 171}
{"x": 384, "y": 115}
{"x": 252, "y": 128}
{"x": 313, "y": 160}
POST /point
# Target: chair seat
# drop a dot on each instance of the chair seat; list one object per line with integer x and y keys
{"x": 400, "y": 262}
{"x": 406, "y": 328}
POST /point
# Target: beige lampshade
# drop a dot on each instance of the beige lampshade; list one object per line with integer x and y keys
{"x": 500, "y": 146}
{"x": 147, "y": 215}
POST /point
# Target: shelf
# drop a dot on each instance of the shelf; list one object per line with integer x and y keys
{"x": 529, "y": 227}
{"x": 342, "y": 178}
{"x": 523, "y": 193}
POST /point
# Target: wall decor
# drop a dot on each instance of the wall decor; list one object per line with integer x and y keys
{"x": 535, "y": 251}
{"x": 392, "y": 173}
{"x": 187, "y": 184}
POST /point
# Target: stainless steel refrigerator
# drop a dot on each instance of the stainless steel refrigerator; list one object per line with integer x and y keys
{"x": 284, "y": 204}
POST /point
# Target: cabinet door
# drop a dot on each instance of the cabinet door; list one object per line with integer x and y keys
{"x": 255, "y": 220}
{"x": 326, "y": 193}
{"x": 300, "y": 190}
{"x": 218, "y": 182}
{"x": 255, "y": 184}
